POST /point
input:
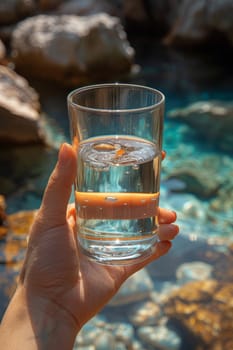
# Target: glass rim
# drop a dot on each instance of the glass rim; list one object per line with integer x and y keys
{"x": 107, "y": 110}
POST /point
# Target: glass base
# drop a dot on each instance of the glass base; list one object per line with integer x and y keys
{"x": 116, "y": 252}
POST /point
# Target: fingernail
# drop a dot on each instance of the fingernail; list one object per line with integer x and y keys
{"x": 177, "y": 228}
{"x": 63, "y": 152}
{"x": 174, "y": 213}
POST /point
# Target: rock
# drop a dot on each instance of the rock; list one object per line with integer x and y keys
{"x": 12, "y": 249}
{"x": 211, "y": 120}
{"x": 159, "y": 337}
{"x": 46, "y": 5}
{"x": 100, "y": 334}
{"x": 72, "y": 50}
{"x": 8, "y": 280}
{"x": 193, "y": 271}
{"x": 145, "y": 314}
{"x": 222, "y": 266}
{"x": 19, "y": 223}
{"x": 20, "y": 121}
{"x": 204, "y": 310}
{"x": 89, "y": 332}
{"x": 105, "y": 341}
{"x": 223, "y": 202}
{"x": 2, "y": 51}
{"x": 88, "y": 7}
{"x": 198, "y": 21}
{"x": 196, "y": 178}
{"x": 14, "y": 10}
{"x": 137, "y": 287}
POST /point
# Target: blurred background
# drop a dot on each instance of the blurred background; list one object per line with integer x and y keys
{"x": 181, "y": 47}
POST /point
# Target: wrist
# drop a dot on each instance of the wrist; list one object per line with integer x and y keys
{"x": 37, "y": 323}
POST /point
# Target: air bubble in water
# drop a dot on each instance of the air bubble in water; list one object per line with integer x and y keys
{"x": 111, "y": 199}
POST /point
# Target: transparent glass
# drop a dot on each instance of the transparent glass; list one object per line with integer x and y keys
{"x": 116, "y": 130}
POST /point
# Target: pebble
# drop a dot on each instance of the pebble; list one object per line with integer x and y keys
{"x": 145, "y": 314}
{"x": 160, "y": 337}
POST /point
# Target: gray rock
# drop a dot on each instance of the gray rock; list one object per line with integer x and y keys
{"x": 194, "y": 271}
{"x": 196, "y": 178}
{"x": 211, "y": 119}
{"x": 145, "y": 314}
{"x": 88, "y": 7}
{"x": 198, "y": 20}
{"x": 137, "y": 287}
{"x": 20, "y": 120}
{"x": 100, "y": 334}
{"x": 105, "y": 341}
{"x": 160, "y": 337}
{"x": 71, "y": 49}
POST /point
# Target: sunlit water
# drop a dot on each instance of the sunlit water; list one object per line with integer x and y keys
{"x": 183, "y": 78}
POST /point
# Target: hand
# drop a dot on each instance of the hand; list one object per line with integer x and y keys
{"x": 56, "y": 275}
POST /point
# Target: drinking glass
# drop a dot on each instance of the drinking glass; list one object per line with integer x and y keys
{"x": 116, "y": 130}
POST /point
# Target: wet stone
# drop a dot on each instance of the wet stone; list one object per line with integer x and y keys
{"x": 136, "y": 288}
{"x": 160, "y": 337}
{"x": 204, "y": 311}
{"x": 145, "y": 314}
{"x": 196, "y": 270}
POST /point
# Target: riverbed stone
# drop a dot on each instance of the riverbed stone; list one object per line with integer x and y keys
{"x": 21, "y": 120}
{"x": 72, "y": 50}
{"x": 100, "y": 334}
{"x": 195, "y": 175}
{"x": 137, "y": 287}
{"x": 193, "y": 271}
{"x": 159, "y": 337}
{"x": 211, "y": 120}
{"x": 204, "y": 310}
{"x": 145, "y": 314}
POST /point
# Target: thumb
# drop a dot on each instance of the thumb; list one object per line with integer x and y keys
{"x": 56, "y": 196}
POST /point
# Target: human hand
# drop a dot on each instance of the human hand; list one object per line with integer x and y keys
{"x": 56, "y": 276}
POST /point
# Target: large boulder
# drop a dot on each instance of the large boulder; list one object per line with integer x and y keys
{"x": 20, "y": 117}
{"x": 72, "y": 50}
{"x": 198, "y": 21}
{"x": 212, "y": 120}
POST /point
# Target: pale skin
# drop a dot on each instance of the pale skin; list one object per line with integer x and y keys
{"x": 59, "y": 289}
